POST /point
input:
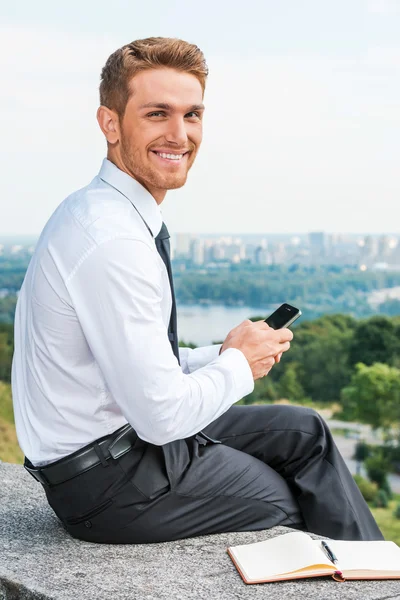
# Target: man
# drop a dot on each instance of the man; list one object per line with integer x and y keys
{"x": 133, "y": 439}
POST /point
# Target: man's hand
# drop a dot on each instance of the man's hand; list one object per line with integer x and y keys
{"x": 261, "y": 345}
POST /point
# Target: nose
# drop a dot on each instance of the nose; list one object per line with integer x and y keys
{"x": 177, "y": 133}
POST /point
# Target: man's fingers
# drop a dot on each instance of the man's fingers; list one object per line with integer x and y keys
{"x": 261, "y": 325}
{"x": 285, "y": 335}
{"x": 282, "y": 335}
{"x": 284, "y": 347}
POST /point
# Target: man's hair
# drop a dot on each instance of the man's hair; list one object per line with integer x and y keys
{"x": 149, "y": 53}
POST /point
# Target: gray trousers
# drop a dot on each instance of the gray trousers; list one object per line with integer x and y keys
{"x": 275, "y": 465}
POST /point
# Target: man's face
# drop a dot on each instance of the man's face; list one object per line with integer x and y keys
{"x": 161, "y": 130}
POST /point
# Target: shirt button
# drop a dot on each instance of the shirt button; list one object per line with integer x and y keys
{"x": 88, "y": 524}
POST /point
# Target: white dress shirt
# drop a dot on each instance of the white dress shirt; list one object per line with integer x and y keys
{"x": 91, "y": 341}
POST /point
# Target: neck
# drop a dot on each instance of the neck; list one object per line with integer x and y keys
{"x": 116, "y": 159}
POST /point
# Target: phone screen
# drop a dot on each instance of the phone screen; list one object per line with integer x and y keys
{"x": 283, "y": 316}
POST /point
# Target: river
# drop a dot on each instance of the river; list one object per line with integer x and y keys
{"x": 203, "y": 325}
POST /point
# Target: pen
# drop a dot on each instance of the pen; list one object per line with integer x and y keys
{"x": 329, "y": 552}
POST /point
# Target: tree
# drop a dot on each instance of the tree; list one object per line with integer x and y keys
{"x": 373, "y": 395}
{"x": 361, "y": 452}
{"x": 289, "y": 386}
{"x": 374, "y": 340}
{"x": 320, "y": 351}
{"x": 377, "y": 468}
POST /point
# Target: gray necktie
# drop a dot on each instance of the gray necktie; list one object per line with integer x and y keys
{"x": 163, "y": 247}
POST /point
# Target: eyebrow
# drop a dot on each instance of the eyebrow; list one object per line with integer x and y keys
{"x": 165, "y": 106}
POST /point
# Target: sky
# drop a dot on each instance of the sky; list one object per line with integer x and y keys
{"x": 302, "y": 120}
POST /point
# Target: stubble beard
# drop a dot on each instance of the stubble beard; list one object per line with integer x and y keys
{"x": 149, "y": 175}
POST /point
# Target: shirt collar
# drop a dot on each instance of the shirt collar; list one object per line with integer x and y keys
{"x": 141, "y": 199}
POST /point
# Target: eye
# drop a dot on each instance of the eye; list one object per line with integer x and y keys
{"x": 158, "y": 113}
{"x": 193, "y": 115}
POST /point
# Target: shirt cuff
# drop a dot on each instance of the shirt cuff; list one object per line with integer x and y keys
{"x": 241, "y": 373}
{"x": 199, "y": 357}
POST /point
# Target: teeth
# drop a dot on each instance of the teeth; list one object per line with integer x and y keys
{"x": 170, "y": 156}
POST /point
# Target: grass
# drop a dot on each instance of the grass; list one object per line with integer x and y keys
{"x": 387, "y": 522}
{"x": 9, "y": 449}
{"x": 6, "y": 409}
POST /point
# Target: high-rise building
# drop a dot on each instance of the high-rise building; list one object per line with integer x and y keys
{"x": 235, "y": 252}
{"x": 182, "y": 245}
{"x": 197, "y": 251}
{"x": 317, "y": 240}
{"x": 369, "y": 250}
{"x": 385, "y": 247}
{"x": 262, "y": 256}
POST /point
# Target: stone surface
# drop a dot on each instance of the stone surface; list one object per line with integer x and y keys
{"x": 40, "y": 561}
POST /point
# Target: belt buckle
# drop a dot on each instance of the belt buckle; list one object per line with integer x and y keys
{"x": 121, "y": 445}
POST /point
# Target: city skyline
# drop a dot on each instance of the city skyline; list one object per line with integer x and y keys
{"x": 379, "y": 252}
{"x": 301, "y": 124}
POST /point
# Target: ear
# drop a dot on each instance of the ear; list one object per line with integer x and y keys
{"x": 109, "y": 124}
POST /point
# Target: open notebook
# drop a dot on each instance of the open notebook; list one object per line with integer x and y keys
{"x": 296, "y": 555}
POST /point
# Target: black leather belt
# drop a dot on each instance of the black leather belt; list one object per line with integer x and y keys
{"x": 99, "y": 452}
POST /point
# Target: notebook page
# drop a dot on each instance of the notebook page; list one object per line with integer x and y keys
{"x": 283, "y": 554}
{"x": 376, "y": 556}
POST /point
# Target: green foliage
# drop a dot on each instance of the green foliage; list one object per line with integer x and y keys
{"x": 6, "y": 350}
{"x": 183, "y": 344}
{"x": 368, "y": 489}
{"x": 373, "y": 395}
{"x": 264, "y": 391}
{"x": 387, "y": 523}
{"x": 377, "y": 468}
{"x": 7, "y": 309}
{"x": 6, "y": 407}
{"x": 375, "y": 340}
{"x": 396, "y": 512}
{"x": 320, "y": 353}
{"x": 391, "y": 451}
{"x": 289, "y": 386}
{"x": 381, "y": 499}
{"x": 9, "y": 449}
{"x": 316, "y": 289}
{"x": 361, "y": 451}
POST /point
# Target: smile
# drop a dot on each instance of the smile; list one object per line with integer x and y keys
{"x": 170, "y": 156}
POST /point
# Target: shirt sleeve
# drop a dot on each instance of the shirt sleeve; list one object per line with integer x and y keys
{"x": 192, "y": 359}
{"x": 117, "y": 292}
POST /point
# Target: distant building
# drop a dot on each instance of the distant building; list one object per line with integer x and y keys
{"x": 235, "y": 252}
{"x": 250, "y": 252}
{"x": 278, "y": 254}
{"x": 369, "y": 249}
{"x": 217, "y": 251}
{"x": 197, "y": 251}
{"x": 385, "y": 247}
{"x": 318, "y": 243}
{"x": 182, "y": 245}
{"x": 262, "y": 256}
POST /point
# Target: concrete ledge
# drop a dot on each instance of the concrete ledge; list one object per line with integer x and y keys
{"x": 40, "y": 561}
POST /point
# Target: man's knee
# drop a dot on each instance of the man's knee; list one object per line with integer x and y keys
{"x": 301, "y": 418}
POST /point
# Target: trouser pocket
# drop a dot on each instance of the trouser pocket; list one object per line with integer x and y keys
{"x": 87, "y": 516}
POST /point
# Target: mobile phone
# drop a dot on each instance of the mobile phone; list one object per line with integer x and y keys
{"x": 284, "y": 316}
